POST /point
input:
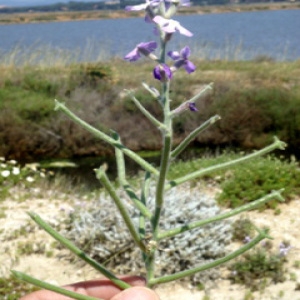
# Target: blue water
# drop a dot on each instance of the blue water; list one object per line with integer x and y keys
{"x": 243, "y": 35}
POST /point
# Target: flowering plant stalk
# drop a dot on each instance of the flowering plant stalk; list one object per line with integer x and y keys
{"x": 159, "y": 14}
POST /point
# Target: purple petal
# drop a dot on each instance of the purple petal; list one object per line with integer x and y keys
{"x": 142, "y": 48}
{"x": 162, "y": 72}
{"x": 156, "y": 73}
{"x": 183, "y": 30}
{"x": 179, "y": 63}
{"x": 189, "y": 67}
{"x": 170, "y": 26}
{"x": 247, "y": 239}
{"x": 136, "y": 7}
{"x": 142, "y": 6}
{"x": 167, "y": 71}
{"x": 185, "y": 52}
{"x": 148, "y": 46}
{"x": 154, "y": 3}
{"x": 159, "y": 20}
{"x": 192, "y": 106}
{"x": 181, "y": 2}
{"x": 166, "y": 25}
{"x": 148, "y": 18}
{"x": 174, "y": 55}
{"x": 134, "y": 55}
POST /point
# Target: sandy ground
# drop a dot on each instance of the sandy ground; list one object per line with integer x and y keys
{"x": 56, "y": 269}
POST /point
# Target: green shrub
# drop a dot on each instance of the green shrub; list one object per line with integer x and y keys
{"x": 35, "y": 81}
{"x": 12, "y": 174}
{"x": 242, "y": 228}
{"x": 92, "y": 75}
{"x": 247, "y": 182}
{"x": 259, "y": 266}
{"x": 254, "y": 180}
{"x": 28, "y": 105}
{"x": 13, "y": 289}
{"x": 251, "y": 115}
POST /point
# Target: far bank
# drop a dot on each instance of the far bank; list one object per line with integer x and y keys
{"x": 64, "y": 16}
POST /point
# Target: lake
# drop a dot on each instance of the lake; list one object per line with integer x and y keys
{"x": 232, "y": 36}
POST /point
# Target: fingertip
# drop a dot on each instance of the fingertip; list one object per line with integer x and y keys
{"x": 136, "y": 293}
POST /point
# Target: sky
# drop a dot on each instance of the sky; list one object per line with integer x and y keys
{"x": 35, "y": 2}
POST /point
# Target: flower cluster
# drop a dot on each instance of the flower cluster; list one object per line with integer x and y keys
{"x": 159, "y": 13}
{"x": 11, "y": 173}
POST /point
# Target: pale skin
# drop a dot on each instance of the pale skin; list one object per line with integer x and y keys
{"x": 102, "y": 289}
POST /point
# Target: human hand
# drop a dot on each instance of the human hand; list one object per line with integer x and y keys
{"x": 101, "y": 288}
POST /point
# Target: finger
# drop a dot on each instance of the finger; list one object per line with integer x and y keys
{"x": 104, "y": 288}
{"x": 136, "y": 293}
{"x": 101, "y": 288}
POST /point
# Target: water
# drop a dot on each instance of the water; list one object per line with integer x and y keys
{"x": 230, "y": 36}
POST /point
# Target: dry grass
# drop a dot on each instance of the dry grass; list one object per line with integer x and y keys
{"x": 257, "y": 97}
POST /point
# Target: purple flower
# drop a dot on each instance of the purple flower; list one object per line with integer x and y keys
{"x": 183, "y": 107}
{"x": 181, "y": 59}
{"x": 284, "y": 249}
{"x": 142, "y": 48}
{"x": 170, "y": 26}
{"x": 192, "y": 106}
{"x": 247, "y": 239}
{"x": 155, "y": 3}
{"x": 162, "y": 72}
{"x": 143, "y": 6}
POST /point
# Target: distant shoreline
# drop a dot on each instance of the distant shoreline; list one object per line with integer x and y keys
{"x": 41, "y": 17}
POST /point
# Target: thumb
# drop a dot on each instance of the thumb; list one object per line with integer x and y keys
{"x": 136, "y": 293}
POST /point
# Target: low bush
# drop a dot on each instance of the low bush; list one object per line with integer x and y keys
{"x": 260, "y": 266}
{"x": 12, "y": 289}
{"x": 249, "y": 181}
{"x": 251, "y": 115}
{"x": 254, "y": 180}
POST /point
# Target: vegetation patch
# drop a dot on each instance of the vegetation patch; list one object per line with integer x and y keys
{"x": 267, "y": 105}
{"x": 252, "y": 181}
{"x": 259, "y": 267}
{"x": 13, "y": 289}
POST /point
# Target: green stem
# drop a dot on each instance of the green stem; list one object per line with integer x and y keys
{"x": 122, "y": 180}
{"x": 210, "y": 265}
{"x": 164, "y": 164}
{"x": 51, "y": 287}
{"x": 164, "y": 161}
{"x": 146, "y": 113}
{"x": 163, "y": 47}
{"x": 277, "y": 144}
{"x": 246, "y": 207}
{"x": 136, "y": 201}
{"x": 200, "y": 94}
{"x": 185, "y": 105}
{"x": 161, "y": 183}
{"x": 193, "y": 134}
{"x": 145, "y": 165}
{"x": 144, "y": 197}
{"x": 101, "y": 175}
{"x": 142, "y": 223}
{"x": 155, "y": 94}
{"x": 68, "y": 244}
